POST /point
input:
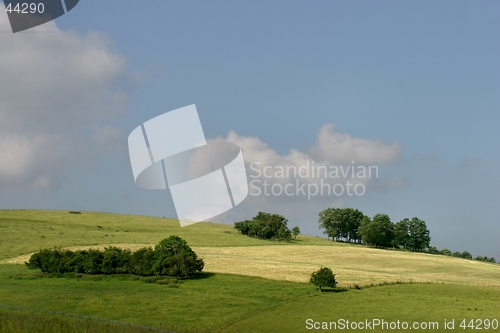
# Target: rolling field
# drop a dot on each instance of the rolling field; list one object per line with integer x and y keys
{"x": 261, "y": 292}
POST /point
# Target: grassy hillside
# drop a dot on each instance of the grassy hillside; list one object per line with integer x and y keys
{"x": 27, "y": 231}
{"x": 352, "y": 264}
{"x": 233, "y": 303}
{"x": 225, "y": 251}
{"x": 225, "y": 302}
{"x": 423, "y": 304}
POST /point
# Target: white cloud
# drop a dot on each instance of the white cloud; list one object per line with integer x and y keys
{"x": 340, "y": 148}
{"x": 326, "y": 164}
{"x": 331, "y": 150}
{"x": 54, "y": 86}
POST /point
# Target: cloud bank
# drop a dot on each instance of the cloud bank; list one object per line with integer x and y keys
{"x": 55, "y": 87}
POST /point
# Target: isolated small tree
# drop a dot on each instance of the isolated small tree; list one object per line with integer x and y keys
{"x": 323, "y": 277}
{"x": 295, "y": 232}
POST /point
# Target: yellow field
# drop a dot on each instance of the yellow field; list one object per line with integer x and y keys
{"x": 351, "y": 264}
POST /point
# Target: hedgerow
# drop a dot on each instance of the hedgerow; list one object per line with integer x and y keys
{"x": 171, "y": 257}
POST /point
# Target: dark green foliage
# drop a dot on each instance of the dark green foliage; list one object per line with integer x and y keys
{"x": 433, "y": 250}
{"x": 445, "y": 252}
{"x": 378, "y": 232}
{"x": 466, "y": 255}
{"x": 295, "y": 232}
{"x": 142, "y": 261}
{"x": 90, "y": 261}
{"x": 347, "y": 224}
{"x": 176, "y": 258}
{"x": 342, "y": 223}
{"x": 265, "y": 226}
{"x": 418, "y": 235}
{"x": 115, "y": 261}
{"x": 172, "y": 256}
{"x": 481, "y": 258}
{"x": 323, "y": 277}
{"x": 401, "y": 236}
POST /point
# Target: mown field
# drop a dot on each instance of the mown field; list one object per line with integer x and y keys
{"x": 263, "y": 292}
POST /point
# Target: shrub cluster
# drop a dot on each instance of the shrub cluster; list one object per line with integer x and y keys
{"x": 481, "y": 258}
{"x": 171, "y": 257}
{"x": 265, "y": 226}
{"x": 465, "y": 254}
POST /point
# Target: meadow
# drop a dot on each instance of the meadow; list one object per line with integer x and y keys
{"x": 248, "y": 285}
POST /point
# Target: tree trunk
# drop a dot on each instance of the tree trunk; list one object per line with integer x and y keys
{"x": 320, "y": 289}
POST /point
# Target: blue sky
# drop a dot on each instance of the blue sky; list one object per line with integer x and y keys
{"x": 423, "y": 76}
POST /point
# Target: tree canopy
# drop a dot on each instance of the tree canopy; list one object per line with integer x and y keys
{"x": 323, "y": 277}
{"x": 341, "y": 223}
{"x": 265, "y": 226}
{"x": 172, "y": 256}
{"x": 378, "y": 232}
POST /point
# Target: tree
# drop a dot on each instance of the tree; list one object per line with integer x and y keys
{"x": 401, "y": 233}
{"x": 341, "y": 223}
{"x": 379, "y": 231}
{"x": 481, "y": 258}
{"x": 433, "y": 250}
{"x": 295, "y": 232}
{"x": 115, "y": 261}
{"x": 265, "y": 226}
{"x": 174, "y": 257}
{"x": 142, "y": 261}
{"x": 418, "y": 235}
{"x": 445, "y": 252}
{"x": 466, "y": 255}
{"x": 323, "y": 277}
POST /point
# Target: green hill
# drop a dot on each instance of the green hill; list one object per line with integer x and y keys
{"x": 218, "y": 300}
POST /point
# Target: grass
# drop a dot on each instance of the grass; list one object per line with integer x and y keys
{"x": 351, "y": 264}
{"x": 217, "y": 300}
{"x": 203, "y": 304}
{"x": 232, "y": 303}
{"x": 404, "y": 302}
{"x": 225, "y": 251}
{"x": 26, "y": 320}
{"x": 27, "y": 231}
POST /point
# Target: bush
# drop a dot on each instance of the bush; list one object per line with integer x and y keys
{"x": 115, "y": 261}
{"x": 142, "y": 261}
{"x": 323, "y": 277}
{"x": 172, "y": 256}
{"x": 481, "y": 258}
{"x": 176, "y": 258}
{"x": 445, "y": 252}
{"x": 265, "y": 226}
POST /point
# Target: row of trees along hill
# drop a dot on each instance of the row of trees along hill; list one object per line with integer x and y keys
{"x": 170, "y": 257}
{"x": 351, "y": 225}
{"x": 465, "y": 254}
{"x": 267, "y": 226}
